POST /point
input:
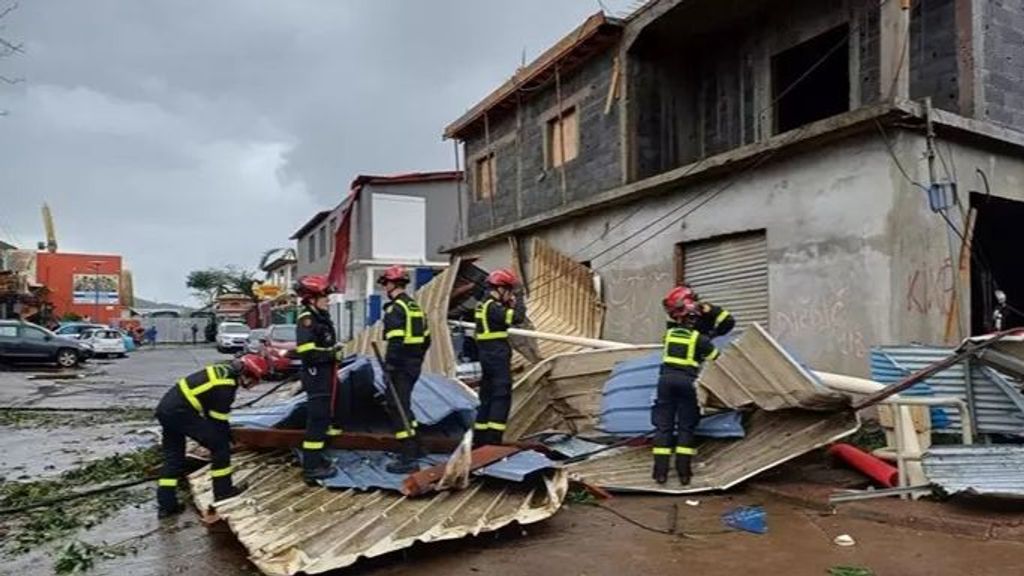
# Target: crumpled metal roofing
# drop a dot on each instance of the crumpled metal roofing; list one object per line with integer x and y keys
{"x": 288, "y": 527}
{"x": 629, "y": 395}
{"x": 995, "y": 470}
{"x": 434, "y": 398}
{"x": 792, "y": 413}
{"x": 998, "y": 403}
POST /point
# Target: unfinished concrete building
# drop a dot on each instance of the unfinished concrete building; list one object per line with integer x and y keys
{"x": 776, "y": 155}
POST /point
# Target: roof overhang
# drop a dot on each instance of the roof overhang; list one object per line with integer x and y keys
{"x": 592, "y": 37}
{"x": 310, "y": 224}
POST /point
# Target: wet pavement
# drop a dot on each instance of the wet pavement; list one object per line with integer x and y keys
{"x": 580, "y": 540}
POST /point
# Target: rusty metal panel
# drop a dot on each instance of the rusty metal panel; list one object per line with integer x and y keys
{"x": 771, "y": 439}
{"x": 434, "y": 298}
{"x": 288, "y": 527}
{"x": 755, "y": 371}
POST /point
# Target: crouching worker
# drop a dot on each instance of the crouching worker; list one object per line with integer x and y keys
{"x": 197, "y": 407}
{"x": 676, "y": 413}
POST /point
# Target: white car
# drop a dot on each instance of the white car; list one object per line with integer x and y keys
{"x": 232, "y": 336}
{"x": 104, "y": 342}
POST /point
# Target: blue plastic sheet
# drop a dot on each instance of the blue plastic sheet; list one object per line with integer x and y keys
{"x": 518, "y": 466}
{"x": 747, "y": 518}
{"x": 629, "y": 395}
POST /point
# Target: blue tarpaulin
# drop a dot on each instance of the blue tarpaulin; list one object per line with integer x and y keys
{"x": 629, "y": 394}
{"x": 364, "y": 470}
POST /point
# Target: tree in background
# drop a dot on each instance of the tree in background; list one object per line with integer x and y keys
{"x": 208, "y": 284}
{"x": 8, "y": 48}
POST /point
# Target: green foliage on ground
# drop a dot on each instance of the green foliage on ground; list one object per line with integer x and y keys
{"x": 78, "y": 556}
{"x": 15, "y": 418}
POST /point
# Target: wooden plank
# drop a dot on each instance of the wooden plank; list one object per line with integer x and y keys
{"x": 261, "y": 438}
{"x": 424, "y": 481}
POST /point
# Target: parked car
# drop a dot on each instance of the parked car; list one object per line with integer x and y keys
{"x": 279, "y": 351}
{"x": 257, "y": 338}
{"x": 104, "y": 342}
{"x": 231, "y": 336}
{"x": 27, "y": 342}
{"x": 75, "y": 329}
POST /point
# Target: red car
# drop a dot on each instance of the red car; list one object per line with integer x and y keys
{"x": 279, "y": 350}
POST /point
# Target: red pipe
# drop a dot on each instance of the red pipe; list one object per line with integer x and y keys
{"x": 878, "y": 470}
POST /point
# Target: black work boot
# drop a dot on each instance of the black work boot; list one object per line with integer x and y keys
{"x": 316, "y": 468}
{"x": 683, "y": 468}
{"x": 406, "y": 463}
{"x": 224, "y": 489}
{"x": 481, "y": 438}
{"x": 660, "y": 473}
{"x": 169, "y": 510}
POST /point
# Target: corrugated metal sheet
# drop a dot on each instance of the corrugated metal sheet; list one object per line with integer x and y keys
{"x": 562, "y": 300}
{"x": 992, "y": 470}
{"x": 731, "y": 272}
{"x": 998, "y": 405}
{"x": 794, "y": 413}
{"x": 434, "y": 299}
{"x": 754, "y": 370}
{"x": 288, "y": 527}
{"x": 772, "y": 438}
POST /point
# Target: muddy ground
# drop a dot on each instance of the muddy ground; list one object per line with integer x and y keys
{"x": 582, "y": 539}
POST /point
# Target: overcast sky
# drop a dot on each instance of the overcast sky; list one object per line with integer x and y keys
{"x": 190, "y": 134}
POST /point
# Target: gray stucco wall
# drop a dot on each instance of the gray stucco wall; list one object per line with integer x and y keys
{"x": 525, "y": 186}
{"x": 442, "y": 215}
{"x": 321, "y": 262}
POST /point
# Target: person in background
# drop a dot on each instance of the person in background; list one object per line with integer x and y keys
{"x": 408, "y": 337}
{"x": 676, "y": 413}
{"x": 316, "y": 346}
{"x": 499, "y": 310}
{"x": 197, "y": 407}
{"x": 195, "y": 333}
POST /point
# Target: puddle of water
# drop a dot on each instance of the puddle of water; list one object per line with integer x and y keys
{"x": 32, "y": 453}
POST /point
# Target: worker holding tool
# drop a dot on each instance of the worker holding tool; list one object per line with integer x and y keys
{"x": 675, "y": 413}
{"x": 499, "y": 310}
{"x": 315, "y": 345}
{"x": 714, "y": 321}
{"x": 408, "y": 338}
{"x": 197, "y": 407}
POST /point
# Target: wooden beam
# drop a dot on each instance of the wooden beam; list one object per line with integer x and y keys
{"x": 262, "y": 438}
{"x": 424, "y": 481}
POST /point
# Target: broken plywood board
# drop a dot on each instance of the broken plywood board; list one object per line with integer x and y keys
{"x": 288, "y": 527}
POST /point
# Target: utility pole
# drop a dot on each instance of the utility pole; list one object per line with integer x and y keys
{"x": 96, "y": 264}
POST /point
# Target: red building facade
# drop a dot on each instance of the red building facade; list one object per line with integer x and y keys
{"x": 85, "y": 284}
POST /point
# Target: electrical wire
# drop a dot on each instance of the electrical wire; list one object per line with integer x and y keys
{"x": 649, "y": 528}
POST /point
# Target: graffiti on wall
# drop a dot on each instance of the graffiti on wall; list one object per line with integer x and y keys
{"x": 633, "y": 298}
{"x": 822, "y": 318}
{"x": 930, "y": 289}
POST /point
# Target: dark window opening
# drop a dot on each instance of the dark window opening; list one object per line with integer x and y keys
{"x": 995, "y": 264}
{"x": 803, "y": 97}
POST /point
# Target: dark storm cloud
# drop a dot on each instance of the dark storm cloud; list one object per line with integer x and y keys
{"x": 191, "y": 134}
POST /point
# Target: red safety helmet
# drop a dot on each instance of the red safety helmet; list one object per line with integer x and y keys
{"x": 312, "y": 286}
{"x": 502, "y": 278}
{"x": 396, "y": 274}
{"x": 679, "y": 302}
{"x": 254, "y": 366}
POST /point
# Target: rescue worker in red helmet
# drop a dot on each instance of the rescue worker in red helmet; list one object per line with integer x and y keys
{"x": 197, "y": 407}
{"x": 675, "y": 413}
{"x": 499, "y": 310}
{"x": 408, "y": 338}
{"x": 714, "y": 321}
{"x": 316, "y": 346}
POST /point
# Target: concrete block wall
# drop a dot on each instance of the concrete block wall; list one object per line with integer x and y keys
{"x": 525, "y": 185}
{"x": 1002, "y": 62}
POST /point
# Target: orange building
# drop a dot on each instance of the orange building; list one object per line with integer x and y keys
{"x": 85, "y": 284}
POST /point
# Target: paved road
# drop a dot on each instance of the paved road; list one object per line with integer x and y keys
{"x": 138, "y": 381}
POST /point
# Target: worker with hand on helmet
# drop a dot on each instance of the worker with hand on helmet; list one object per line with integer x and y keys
{"x": 499, "y": 310}
{"x": 315, "y": 344}
{"x": 675, "y": 413}
{"x": 713, "y": 321}
{"x": 197, "y": 407}
{"x": 408, "y": 337}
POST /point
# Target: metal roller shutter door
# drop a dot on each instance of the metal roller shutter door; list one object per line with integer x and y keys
{"x": 731, "y": 272}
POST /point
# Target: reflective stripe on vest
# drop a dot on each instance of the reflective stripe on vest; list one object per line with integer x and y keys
{"x": 721, "y": 317}
{"x": 409, "y": 334}
{"x": 213, "y": 378}
{"x": 310, "y": 346}
{"x": 483, "y": 328}
{"x": 681, "y": 348}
